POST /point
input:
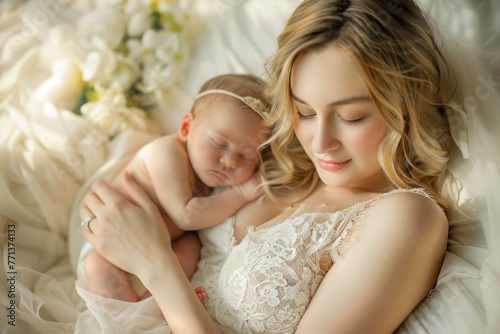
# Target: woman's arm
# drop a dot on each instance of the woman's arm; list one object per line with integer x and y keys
{"x": 386, "y": 273}
{"x": 141, "y": 249}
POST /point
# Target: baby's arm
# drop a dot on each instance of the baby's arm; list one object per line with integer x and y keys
{"x": 211, "y": 210}
{"x": 172, "y": 176}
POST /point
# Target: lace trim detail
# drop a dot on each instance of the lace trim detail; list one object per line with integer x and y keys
{"x": 349, "y": 230}
{"x": 232, "y": 242}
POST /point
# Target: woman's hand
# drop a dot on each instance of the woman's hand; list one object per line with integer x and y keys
{"x": 134, "y": 238}
{"x": 129, "y": 235}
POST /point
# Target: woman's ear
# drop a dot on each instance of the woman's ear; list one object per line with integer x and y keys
{"x": 185, "y": 126}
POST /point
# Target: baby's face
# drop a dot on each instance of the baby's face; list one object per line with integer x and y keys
{"x": 223, "y": 143}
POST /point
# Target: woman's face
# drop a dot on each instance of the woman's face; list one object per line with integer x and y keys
{"x": 336, "y": 120}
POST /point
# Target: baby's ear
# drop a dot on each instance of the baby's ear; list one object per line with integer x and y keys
{"x": 185, "y": 126}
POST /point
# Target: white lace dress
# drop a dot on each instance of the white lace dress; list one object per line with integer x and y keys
{"x": 269, "y": 278}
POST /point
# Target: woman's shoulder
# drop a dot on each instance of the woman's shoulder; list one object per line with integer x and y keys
{"x": 410, "y": 210}
{"x": 400, "y": 225}
{"x": 414, "y": 199}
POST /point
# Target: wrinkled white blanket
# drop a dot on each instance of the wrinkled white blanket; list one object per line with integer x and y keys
{"x": 49, "y": 157}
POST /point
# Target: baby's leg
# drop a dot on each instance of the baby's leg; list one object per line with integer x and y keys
{"x": 187, "y": 249}
{"x": 106, "y": 280}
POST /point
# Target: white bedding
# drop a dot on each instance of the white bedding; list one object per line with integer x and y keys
{"x": 50, "y": 156}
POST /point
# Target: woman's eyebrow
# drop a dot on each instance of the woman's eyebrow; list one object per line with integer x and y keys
{"x": 349, "y": 100}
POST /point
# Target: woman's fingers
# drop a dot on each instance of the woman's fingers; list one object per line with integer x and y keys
{"x": 85, "y": 211}
{"x": 97, "y": 203}
{"x": 104, "y": 193}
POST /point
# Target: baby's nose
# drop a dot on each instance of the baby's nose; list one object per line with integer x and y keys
{"x": 228, "y": 161}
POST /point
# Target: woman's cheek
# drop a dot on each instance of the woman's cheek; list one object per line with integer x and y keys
{"x": 370, "y": 139}
{"x": 303, "y": 134}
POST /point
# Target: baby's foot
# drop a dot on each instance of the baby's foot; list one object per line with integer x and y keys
{"x": 201, "y": 292}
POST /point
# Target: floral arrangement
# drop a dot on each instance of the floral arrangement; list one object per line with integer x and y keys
{"x": 131, "y": 53}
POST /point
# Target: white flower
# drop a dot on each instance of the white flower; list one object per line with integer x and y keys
{"x": 135, "y": 51}
{"x": 62, "y": 87}
{"x": 104, "y": 67}
{"x": 99, "y": 63}
{"x": 135, "y": 6}
{"x": 167, "y": 48}
{"x": 111, "y": 115}
{"x": 173, "y": 9}
{"x": 95, "y": 65}
{"x": 138, "y": 24}
{"x": 162, "y": 60}
{"x": 130, "y": 53}
{"x": 107, "y": 23}
{"x": 150, "y": 39}
{"x": 158, "y": 75}
{"x": 125, "y": 73}
{"x": 112, "y": 2}
{"x": 61, "y": 43}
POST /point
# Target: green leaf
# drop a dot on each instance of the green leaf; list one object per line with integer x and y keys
{"x": 88, "y": 94}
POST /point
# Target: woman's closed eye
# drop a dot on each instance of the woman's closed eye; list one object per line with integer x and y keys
{"x": 351, "y": 121}
{"x": 304, "y": 114}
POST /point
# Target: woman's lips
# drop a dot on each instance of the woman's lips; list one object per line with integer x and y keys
{"x": 332, "y": 165}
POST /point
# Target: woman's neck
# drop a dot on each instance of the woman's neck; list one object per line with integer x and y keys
{"x": 345, "y": 196}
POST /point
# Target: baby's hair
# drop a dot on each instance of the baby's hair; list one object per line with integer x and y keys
{"x": 240, "y": 84}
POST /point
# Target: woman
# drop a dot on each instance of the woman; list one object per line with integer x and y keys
{"x": 360, "y": 143}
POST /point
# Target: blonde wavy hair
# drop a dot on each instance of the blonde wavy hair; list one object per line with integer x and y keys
{"x": 397, "y": 51}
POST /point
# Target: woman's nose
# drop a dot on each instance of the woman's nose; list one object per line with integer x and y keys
{"x": 325, "y": 138}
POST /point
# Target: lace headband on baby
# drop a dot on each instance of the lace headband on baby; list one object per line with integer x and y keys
{"x": 252, "y": 102}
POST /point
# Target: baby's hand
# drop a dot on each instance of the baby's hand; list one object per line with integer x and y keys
{"x": 201, "y": 292}
{"x": 250, "y": 189}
